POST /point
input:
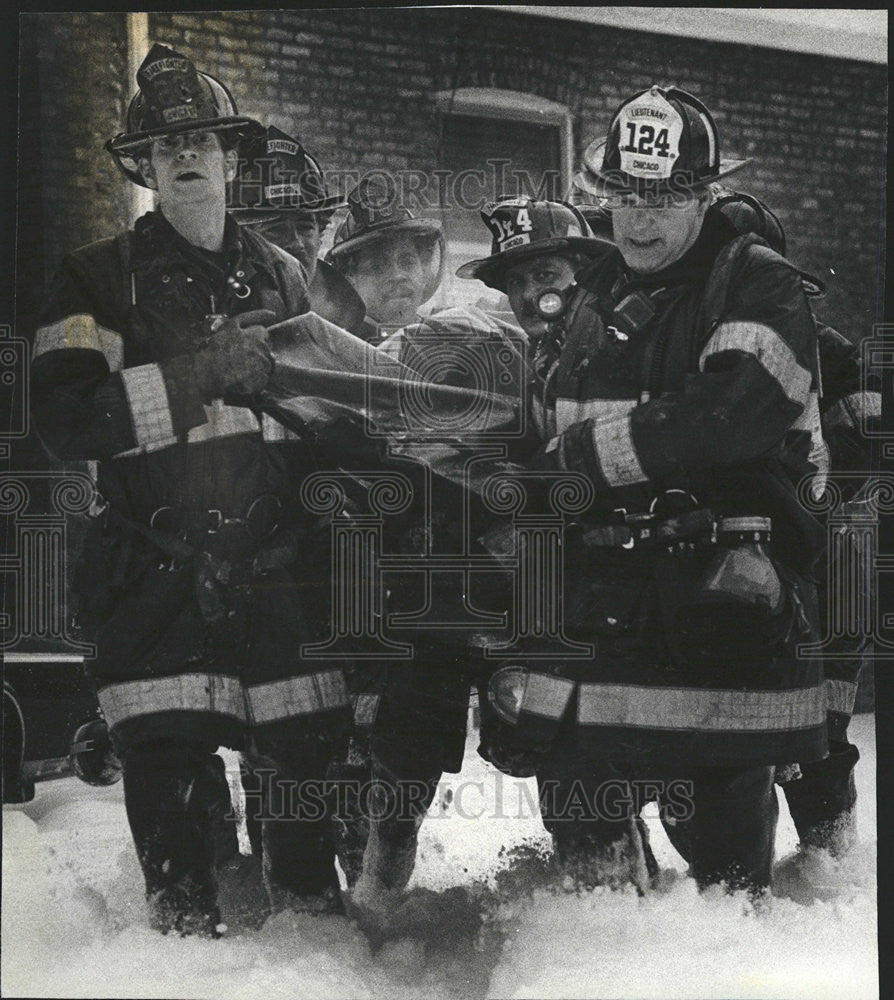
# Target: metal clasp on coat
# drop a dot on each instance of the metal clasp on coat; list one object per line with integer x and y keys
{"x": 172, "y": 564}
{"x": 240, "y": 289}
{"x": 630, "y": 541}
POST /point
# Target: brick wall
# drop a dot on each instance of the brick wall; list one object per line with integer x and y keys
{"x": 357, "y": 86}
{"x": 72, "y": 100}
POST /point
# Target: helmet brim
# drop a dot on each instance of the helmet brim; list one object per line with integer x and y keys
{"x": 419, "y": 227}
{"x": 608, "y": 183}
{"x": 491, "y": 269}
{"x": 129, "y": 146}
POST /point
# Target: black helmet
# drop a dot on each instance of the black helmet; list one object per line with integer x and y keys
{"x": 175, "y": 97}
{"x": 524, "y": 228}
{"x": 593, "y": 208}
{"x": 279, "y": 175}
{"x": 374, "y": 214}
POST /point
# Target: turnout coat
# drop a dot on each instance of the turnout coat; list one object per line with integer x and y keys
{"x": 709, "y": 398}
{"x": 197, "y": 642}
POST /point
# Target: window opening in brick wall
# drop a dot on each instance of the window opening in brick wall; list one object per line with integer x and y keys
{"x": 494, "y": 143}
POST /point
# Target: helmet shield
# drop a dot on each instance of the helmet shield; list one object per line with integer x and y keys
{"x": 375, "y": 215}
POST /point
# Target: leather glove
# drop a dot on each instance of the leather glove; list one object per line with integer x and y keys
{"x": 235, "y": 359}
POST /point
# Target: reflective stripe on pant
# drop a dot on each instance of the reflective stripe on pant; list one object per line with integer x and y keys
{"x": 300, "y": 695}
{"x": 219, "y": 709}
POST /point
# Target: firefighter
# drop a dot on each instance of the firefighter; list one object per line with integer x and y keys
{"x": 395, "y": 263}
{"x": 410, "y": 718}
{"x": 822, "y": 800}
{"x": 537, "y": 245}
{"x": 682, "y": 382}
{"x": 146, "y": 360}
{"x": 557, "y": 241}
{"x": 281, "y": 193}
{"x": 822, "y": 795}
{"x": 393, "y": 259}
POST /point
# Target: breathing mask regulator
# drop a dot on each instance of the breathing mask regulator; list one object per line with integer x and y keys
{"x": 552, "y": 303}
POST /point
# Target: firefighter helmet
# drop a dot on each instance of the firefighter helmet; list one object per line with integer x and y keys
{"x": 660, "y": 141}
{"x": 279, "y": 175}
{"x": 594, "y": 208}
{"x": 524, "y": 228}
{"x": 174, "y": 97}
{"x": 374, "y": 214}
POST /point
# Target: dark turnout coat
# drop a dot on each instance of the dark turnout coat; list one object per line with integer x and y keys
{"x": 113, "y": 382}
{"x": 714, "y": 397}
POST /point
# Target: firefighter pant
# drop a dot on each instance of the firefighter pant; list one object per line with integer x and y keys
{"x": 295, "y": 814}
{"x": 722, "y": 820}
{"x": 176, "y": 796}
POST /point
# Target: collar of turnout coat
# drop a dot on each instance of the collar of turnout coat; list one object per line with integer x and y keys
{"x": 155, "y": 238}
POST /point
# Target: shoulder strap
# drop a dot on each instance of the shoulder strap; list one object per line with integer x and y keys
{"x": 726, "y": 263}
{"x": 128, "y": 291}
{"x": 579, "y": 322}
{"x": 717, "y": 287}
{"x": 291, "y": 277}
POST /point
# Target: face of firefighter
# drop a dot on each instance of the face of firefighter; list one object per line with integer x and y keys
{"x": 391, "y": 277}
{"x": 298, "y": 233}
{"x": 189, "y": 169}
{"x": 652, "y": 235}
{"x": 527, "y": 279}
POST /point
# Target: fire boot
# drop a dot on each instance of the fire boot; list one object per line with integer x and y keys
{"x": 226, "y": 834}
{"x": 296, "y": 831}
{"x": 397, "y": 809}
{"x": 252, "y": 788}
{"x": 351, "y": 819}
{"x": 598, "y": 836}
{"x": 823, "y": 800}
{"x": 822, "y": 803}
{"x": 731, "y": 830}
{"x": 174, "y": 794}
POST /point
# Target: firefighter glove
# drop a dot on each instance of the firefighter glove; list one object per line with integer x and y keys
{"x": 234, "y": 359}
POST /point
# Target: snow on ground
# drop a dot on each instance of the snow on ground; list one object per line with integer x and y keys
{"x": 483, "y": 917}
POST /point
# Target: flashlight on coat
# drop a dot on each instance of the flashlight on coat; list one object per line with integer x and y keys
{"x": 551, "y": 303}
